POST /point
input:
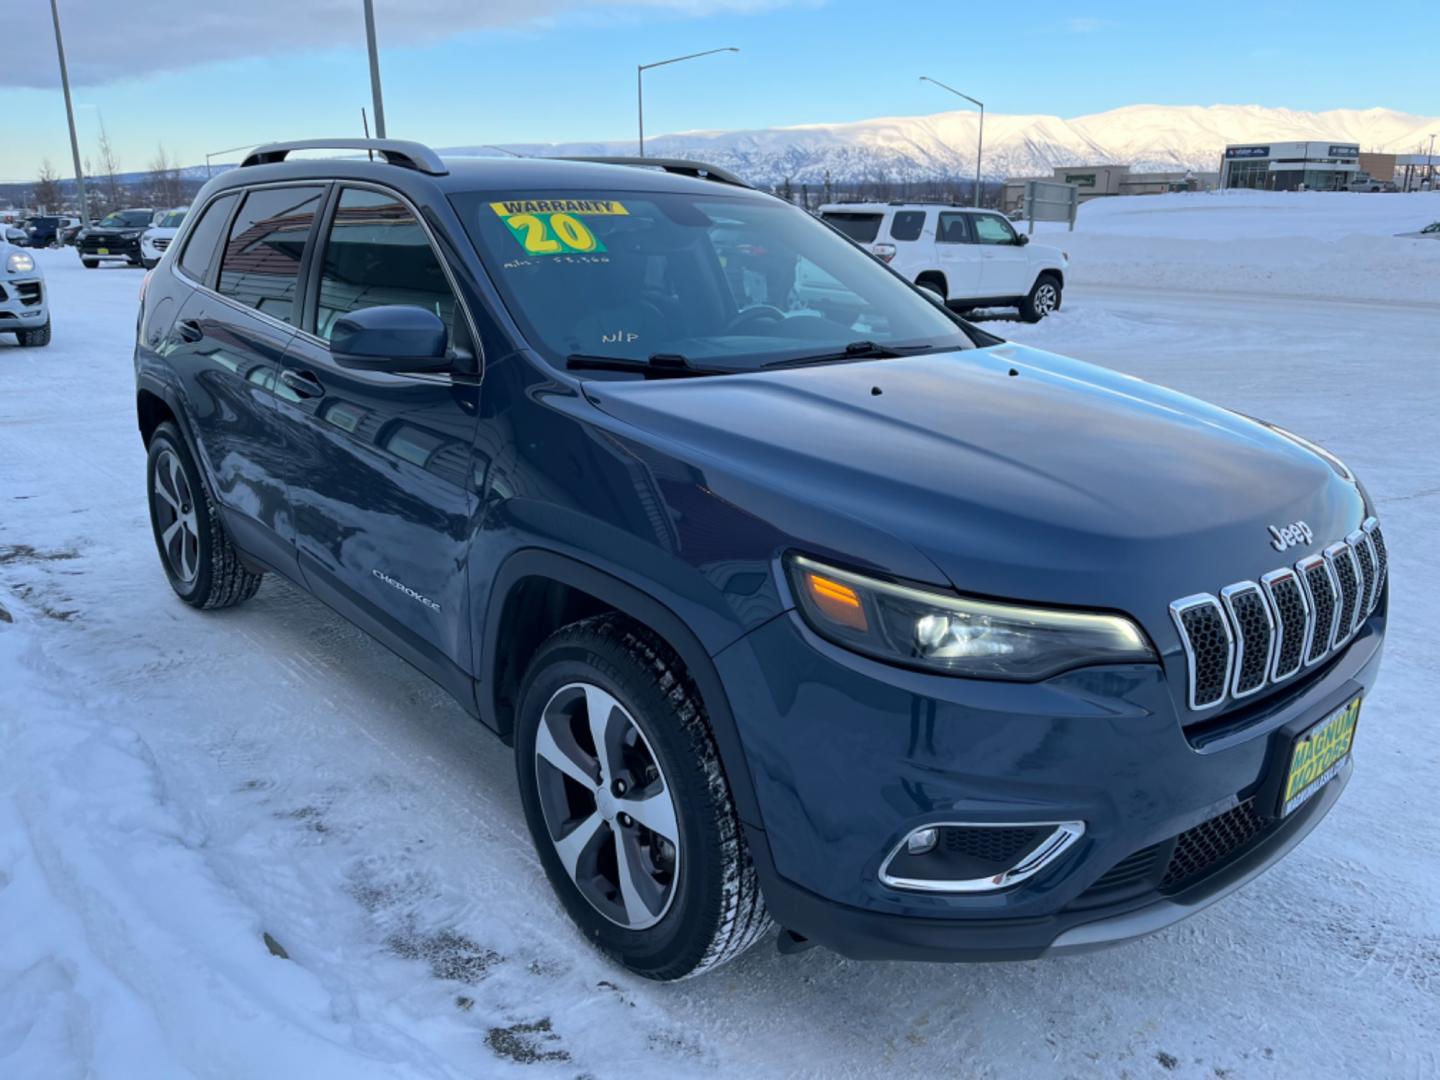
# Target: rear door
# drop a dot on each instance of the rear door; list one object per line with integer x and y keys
{"x": 958, "y": 256}
{"x": 381, "y": 484}
{"x": 1005, "y": 263}
{"x": 226, "y": 345}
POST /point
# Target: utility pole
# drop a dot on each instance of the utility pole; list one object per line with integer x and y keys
{"x": 1430, "y": 162}
{"x": 640, "y": 70}
{"x": 980, "y": 143}
{"x": 70, "y": 116}
{"x": 374, "y": 69}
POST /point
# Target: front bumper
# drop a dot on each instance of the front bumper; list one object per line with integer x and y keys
{"x": 848, "y": 756}
{"x": 120, "y": 247}
{"x": 24, "y": 303}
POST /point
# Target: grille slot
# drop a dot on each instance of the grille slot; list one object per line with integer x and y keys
{"x": 1365, "y": 561}
{"x": 1341, "y": 560}
{"x": 1209, "y": 647}
{"x": 1382, "y": 560}
{"x": 1320, "y": 590}
{"x": 1211, "y": 844}
{"x": 1254, "y": 636}
{"x": 1292, "y": 621}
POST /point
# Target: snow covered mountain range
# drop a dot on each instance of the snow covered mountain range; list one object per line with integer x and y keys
{"x": 1151, "y": 138}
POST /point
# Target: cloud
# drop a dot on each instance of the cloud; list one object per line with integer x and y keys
{"x": 106, "y": 41}
{"x": 1084, "y": 25}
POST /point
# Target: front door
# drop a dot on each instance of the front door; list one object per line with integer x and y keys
{"x": 1005, "y": 265}
{"x": 381, "y": 484}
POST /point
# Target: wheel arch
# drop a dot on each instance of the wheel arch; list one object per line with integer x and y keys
{"x": 936, "y": 277}
{"x": 537, "y": 591}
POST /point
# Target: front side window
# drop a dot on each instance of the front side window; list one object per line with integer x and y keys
{"x": 907, "y": 225}
{"x": 990, "y": 229}
{"x": 205, "y": 237}
{"x": 378, "y": 254}
{"x": 863, "y": 228}
{"x": 954, "y": 229}
{"x": 260, "y": 265}
{"x": 729, "y": 280}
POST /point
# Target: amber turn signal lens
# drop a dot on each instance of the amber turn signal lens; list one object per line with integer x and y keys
{"x": 836, "y": 601}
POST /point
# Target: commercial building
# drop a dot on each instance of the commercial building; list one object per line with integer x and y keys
{"x": 1290, "y": 166}
{"x": 1098, "y": 181}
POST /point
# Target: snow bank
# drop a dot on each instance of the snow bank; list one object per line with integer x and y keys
{"x": 1340, "y": 245}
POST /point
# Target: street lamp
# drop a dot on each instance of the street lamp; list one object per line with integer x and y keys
{"x": 374, "y": 69}
{"x": 980, "y": 143}
{"x": 70, "y": 116}
{"x": 640, "y": 70}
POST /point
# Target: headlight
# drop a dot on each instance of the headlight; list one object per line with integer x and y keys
{"x": 1341, "y": 469}
{"x": 19, "y": 262}
{"x": 958, "y": 635}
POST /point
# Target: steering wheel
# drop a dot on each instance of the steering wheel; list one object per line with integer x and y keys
{"x": 757, "y": 313}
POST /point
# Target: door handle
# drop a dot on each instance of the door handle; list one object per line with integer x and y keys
{"x": 302, "y": 382}
{"x": 189, "y": 330}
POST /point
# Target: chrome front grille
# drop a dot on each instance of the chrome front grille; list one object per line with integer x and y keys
{"x": 1257, "y": 635}
{"x": 160, "y": 243}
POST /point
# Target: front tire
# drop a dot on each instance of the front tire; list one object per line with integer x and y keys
{"x": 628, "y": 805}
{"x": 90, "y": 264}
{"x": 1044, "y": 299}
{"x": 202, "y": 565}
{"x": 31, "y": 339}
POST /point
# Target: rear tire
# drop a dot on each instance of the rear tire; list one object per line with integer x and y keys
{"x": 90, "y": 264}
{"x": 1044, "y": 299}
{"x": 33, "y": 338}
{"x": 202, "y": 565}
{"x": 934, "y": 283}
{"x": 696, "y": 900}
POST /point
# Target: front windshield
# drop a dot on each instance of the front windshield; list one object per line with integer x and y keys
{"x": 127, "y": 219}
{"x": 729, "y": 280}
{"x": 172, "y": 220}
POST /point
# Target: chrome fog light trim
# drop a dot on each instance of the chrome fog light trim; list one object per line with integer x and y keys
{"x": 1062, "y": 836}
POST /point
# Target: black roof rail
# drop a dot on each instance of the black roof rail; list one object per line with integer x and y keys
{"x": 401, "y": 152}
{"x": 680, "y": 166}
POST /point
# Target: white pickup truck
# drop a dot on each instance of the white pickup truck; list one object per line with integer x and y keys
{"x": 973, "y": 258}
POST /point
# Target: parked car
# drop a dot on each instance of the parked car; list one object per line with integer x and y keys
{"x": 921, "y": 643}
{"x": 24, "y": 305}
{"x": 972, "y": 258}
{"x": 14, "y": 235}
{"x": 117, "y": 236}
{"x": 41, "y": 230}
{"x": 154, "y": 240}
{"x": 70, "y": 233}
{"x": 1429, "y": 232}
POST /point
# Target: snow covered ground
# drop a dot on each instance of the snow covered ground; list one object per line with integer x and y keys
{"x": 175, "y": 786}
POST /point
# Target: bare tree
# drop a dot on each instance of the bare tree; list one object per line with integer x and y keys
{"x": 162, "y": 184}
{"x": 112, "y": 194}
{"x": 46, "y": 193}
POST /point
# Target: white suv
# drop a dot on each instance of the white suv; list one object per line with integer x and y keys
{"x": 973, "y": 258}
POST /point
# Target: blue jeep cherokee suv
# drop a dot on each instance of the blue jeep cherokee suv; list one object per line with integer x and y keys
{"x": 855, "y": 618}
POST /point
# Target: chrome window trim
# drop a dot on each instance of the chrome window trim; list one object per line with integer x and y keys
{"x": 1227, "y": 597}
{"x": 1333, "y": 554}
{"x": 1268, "y": 582}
{"x": 416, "y": 376}
{"x": 1062, "y": 837}
{"x": 1177, "y": 609}
{"x": 1302, "y": 568}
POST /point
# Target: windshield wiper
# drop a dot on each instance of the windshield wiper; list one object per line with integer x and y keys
{"x": 856, "y": 350}
{"x": 657, "y": 366}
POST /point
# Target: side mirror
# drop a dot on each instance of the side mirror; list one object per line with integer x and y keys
{"x": 393, "y": 337}
{"x": 1022, "y": 239}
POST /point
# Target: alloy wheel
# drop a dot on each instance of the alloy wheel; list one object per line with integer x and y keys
{"x": 1046, "y": 299}
{"x": 607, "y": 806}
{"x": 175, "y": 519}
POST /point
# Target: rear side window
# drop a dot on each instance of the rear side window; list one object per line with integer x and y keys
{"x": 205, "y": 238}
{"x": 954, "y": 229}
{"x": 907, "y": 225}
{"x": 862, "y": 228}
{"x": 378, "y": 254}
{"x": 261, "y": 262}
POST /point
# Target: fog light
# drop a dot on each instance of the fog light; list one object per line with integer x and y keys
{"x": 921, "y": 841}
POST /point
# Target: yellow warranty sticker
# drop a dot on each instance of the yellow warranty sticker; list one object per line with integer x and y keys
{"x": 553, "y": 226}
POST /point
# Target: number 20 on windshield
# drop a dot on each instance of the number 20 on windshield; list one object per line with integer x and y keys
{"x": 552, "y": 234}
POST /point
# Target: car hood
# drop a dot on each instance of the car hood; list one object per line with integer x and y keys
{"x": 1018, "y": 473}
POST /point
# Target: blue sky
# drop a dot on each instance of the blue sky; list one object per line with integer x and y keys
{"x": 453, "y": 76}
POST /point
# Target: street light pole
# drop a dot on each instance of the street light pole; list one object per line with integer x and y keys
{"x": 640, "y": 70}
{"x": 1430, "y": 162}
{"x": 980, "y": 143}
{"x": 70, "y": 116}
{"x": 374, "y": 69}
